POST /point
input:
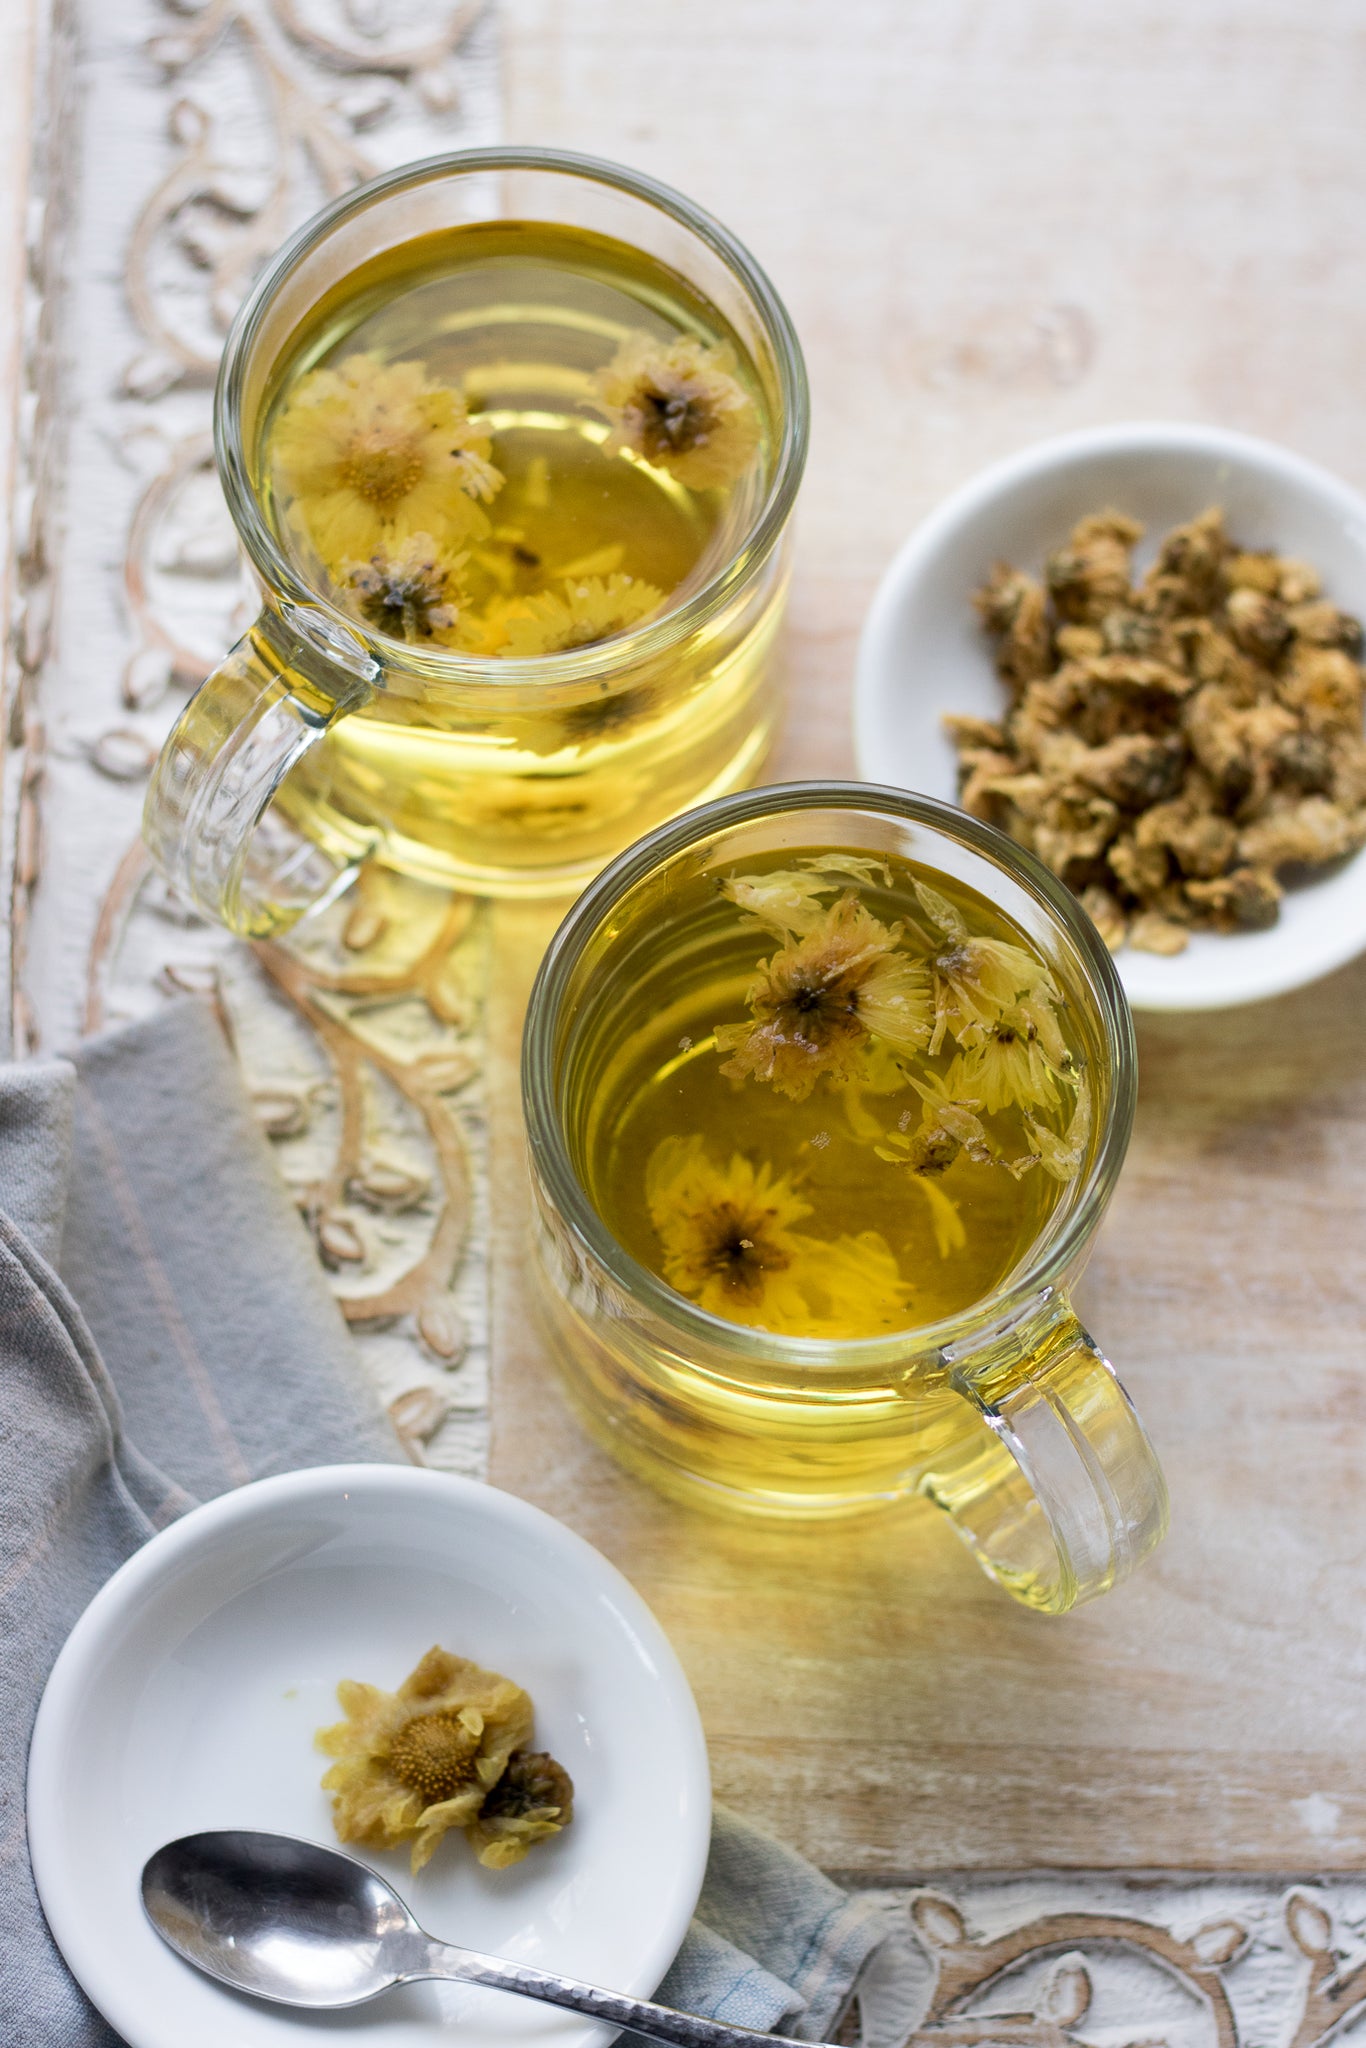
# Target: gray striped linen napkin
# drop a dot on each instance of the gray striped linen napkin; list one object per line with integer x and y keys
{"x": 165, "y": 1335}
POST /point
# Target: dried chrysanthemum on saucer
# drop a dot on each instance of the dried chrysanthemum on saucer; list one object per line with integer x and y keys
{"x": 1177, "y": 744}
{"x": 681, "y": 407}
{"x": 413, "y": 1764}
{"x": 534, "y": 1798}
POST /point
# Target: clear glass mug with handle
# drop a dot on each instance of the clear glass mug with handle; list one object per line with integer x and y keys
{"x": 1004, "y": 1413}
{"x": 322, "y": 741}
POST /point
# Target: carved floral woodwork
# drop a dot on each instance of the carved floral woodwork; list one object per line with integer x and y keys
{"x": 362, "y": 1050}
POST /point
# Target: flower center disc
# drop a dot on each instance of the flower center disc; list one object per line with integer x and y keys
{"x": 433, "y": 1756}
{"x": 382, "y": 470}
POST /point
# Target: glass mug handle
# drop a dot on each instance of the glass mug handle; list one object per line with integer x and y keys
{"x": 1059, "y": 1493}
{"x": 210, "y": 820}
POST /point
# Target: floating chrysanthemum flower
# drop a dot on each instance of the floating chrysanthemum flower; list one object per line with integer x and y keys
{"x": 818, "y": 1004}
{"x": 787, "y": 902}
{"x": 730, "y": 1245}
{"x": 949, "y": 1126}
{"x": 856, "y": 1284}
{"x": 533, "y": 1798}
{"x": 410, "y": 590}
{"x": 926, "y": 1154}
{"x": 1063, "y": 1156}
{"x": 372, "y": 453}
{"x": 1007, "y": 1064}
{"x": 580, "y": 614}
{"x": 681, "y": 407}
{"x": 414, "y": 1763}
{"x": 976, "y": 980}
{"x": 727, "y": 1233}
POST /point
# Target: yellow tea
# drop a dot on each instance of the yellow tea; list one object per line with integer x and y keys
{"x": 510, "y": 442}
{"x": 841, "y": 1098}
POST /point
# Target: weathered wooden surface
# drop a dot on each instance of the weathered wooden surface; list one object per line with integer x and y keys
{"x": 991, "y": 224}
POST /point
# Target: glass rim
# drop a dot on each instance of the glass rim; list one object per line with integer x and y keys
{"x": 588, "y": 664}
{"x": 1047, "y": 1261}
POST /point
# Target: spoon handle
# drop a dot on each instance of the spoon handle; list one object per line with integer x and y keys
{"x": 656, "y": 2022}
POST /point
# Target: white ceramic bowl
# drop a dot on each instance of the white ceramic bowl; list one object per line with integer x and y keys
{"x": 923, "y": 652}
{"x": 188, "y": 1694}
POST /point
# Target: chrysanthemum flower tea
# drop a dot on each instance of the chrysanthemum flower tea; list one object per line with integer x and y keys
{"x": 847, "y": 1104}
{"x": 513, "y": 441}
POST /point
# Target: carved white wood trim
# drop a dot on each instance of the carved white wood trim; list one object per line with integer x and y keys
{"x": 176, "y": 143}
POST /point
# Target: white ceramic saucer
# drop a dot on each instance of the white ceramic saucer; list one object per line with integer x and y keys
{"x": 188, "y": 1694}
{"x": 923, "y": 652}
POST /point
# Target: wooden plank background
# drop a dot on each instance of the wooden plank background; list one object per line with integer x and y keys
{"x": 993, "y": 223}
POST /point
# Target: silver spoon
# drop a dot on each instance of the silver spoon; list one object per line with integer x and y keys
{"x": 303, "y": 1925}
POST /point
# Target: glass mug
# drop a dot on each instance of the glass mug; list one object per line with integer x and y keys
{"x": 1005, "y": 1413}
{"x": 320, "y": 743}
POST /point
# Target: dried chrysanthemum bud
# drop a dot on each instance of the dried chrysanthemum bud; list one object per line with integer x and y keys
{"x": 1202, "y": 842}
{"x": 1014, "y": 607}
{"x": 1324, "y": 625}
{"x": 1125, "y": 631}
{"x": 1140, "y": 870}
{"x": 1258, "y": 624}
{"x": 1187, "y": 576}
{"x": 1324, "y": 687}
{"x": 1102, "y": 906}
{"x": 1254, "y": 571}
{"x": 1296, "y": 582}
{"x": 534, "y": 1798}
{"x": 973, "y": 732}
{"x": 1150, "y": 932}
{"x": 1135, "y": 769}
{"x": 1308, "y": 832}
{"x": 1304, "y": 761}
{"x": 1248, "y": 899}
{"x": 1079, "y": 643}
{"x": 1090, "y": 576}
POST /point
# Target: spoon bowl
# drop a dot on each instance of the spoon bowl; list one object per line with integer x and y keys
{"x": 281, "y": 1918}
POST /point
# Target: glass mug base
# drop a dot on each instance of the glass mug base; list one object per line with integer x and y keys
{"x": 998, "y": 1407}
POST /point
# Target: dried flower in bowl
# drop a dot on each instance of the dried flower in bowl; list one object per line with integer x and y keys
{"x": 413, "y": 1764}
{"x": 1178, "y": 744}
{"x": 534, "y": 1798}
